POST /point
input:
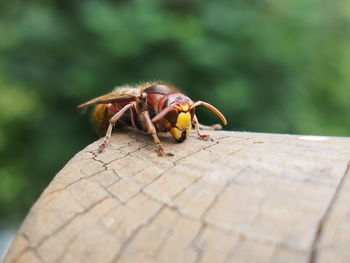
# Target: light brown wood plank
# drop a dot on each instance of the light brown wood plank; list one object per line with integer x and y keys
{"x": 241, "y": 197}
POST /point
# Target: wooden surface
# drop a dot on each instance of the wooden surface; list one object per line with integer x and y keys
{"x": 243, "y": 197}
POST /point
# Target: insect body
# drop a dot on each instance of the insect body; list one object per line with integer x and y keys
{"x": 150, "y": 107}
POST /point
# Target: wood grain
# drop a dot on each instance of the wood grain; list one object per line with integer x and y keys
{"x": 241, "y": 197}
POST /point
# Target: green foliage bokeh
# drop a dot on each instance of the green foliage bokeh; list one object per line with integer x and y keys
{"x": 270, "y": 66}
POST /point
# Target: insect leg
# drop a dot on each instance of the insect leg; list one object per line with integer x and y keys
{"x": 112, "y": 122}
{"x": 211, "y": 127}
{"x": 152, "y": 130}
{"x": 111, "y": 108}
{"x": 196, "y": 127}
{"x": 133, "y": 117}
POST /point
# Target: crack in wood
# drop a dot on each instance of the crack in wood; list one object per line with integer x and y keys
{"x": 134, "y": 233}
{"x": 206, "y": 219}
{"x": 324, "y": 218}
{"x": 27, "y": 249}
{"x": 59, "y": 229}
{"x": 205, "y": 224}
{"x": 229, "y": 256}
{"x": 84, "y": 177}
{"x": 257, "y": 239}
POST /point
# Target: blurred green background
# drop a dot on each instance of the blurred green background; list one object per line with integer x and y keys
{"x": 270, "y": 66}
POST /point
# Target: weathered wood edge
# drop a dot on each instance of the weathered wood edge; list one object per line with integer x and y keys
{"x": 242, "y": 197}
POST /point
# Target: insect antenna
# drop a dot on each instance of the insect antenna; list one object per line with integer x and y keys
{"x": 210, "y": 107}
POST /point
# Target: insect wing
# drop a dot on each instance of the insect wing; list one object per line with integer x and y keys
{"x": 109, "y": 98}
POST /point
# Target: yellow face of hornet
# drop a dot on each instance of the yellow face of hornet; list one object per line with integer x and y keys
{"x": 179, "y": 122}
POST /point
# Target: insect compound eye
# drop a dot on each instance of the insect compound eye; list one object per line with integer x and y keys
{"x": 172, "y": 117}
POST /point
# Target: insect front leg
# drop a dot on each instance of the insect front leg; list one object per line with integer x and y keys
{"x": 211, "y": 127}
{"x": 152, "y": 130}
{"x": 112, "y": 122}
{"x": 196, "y": 127}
